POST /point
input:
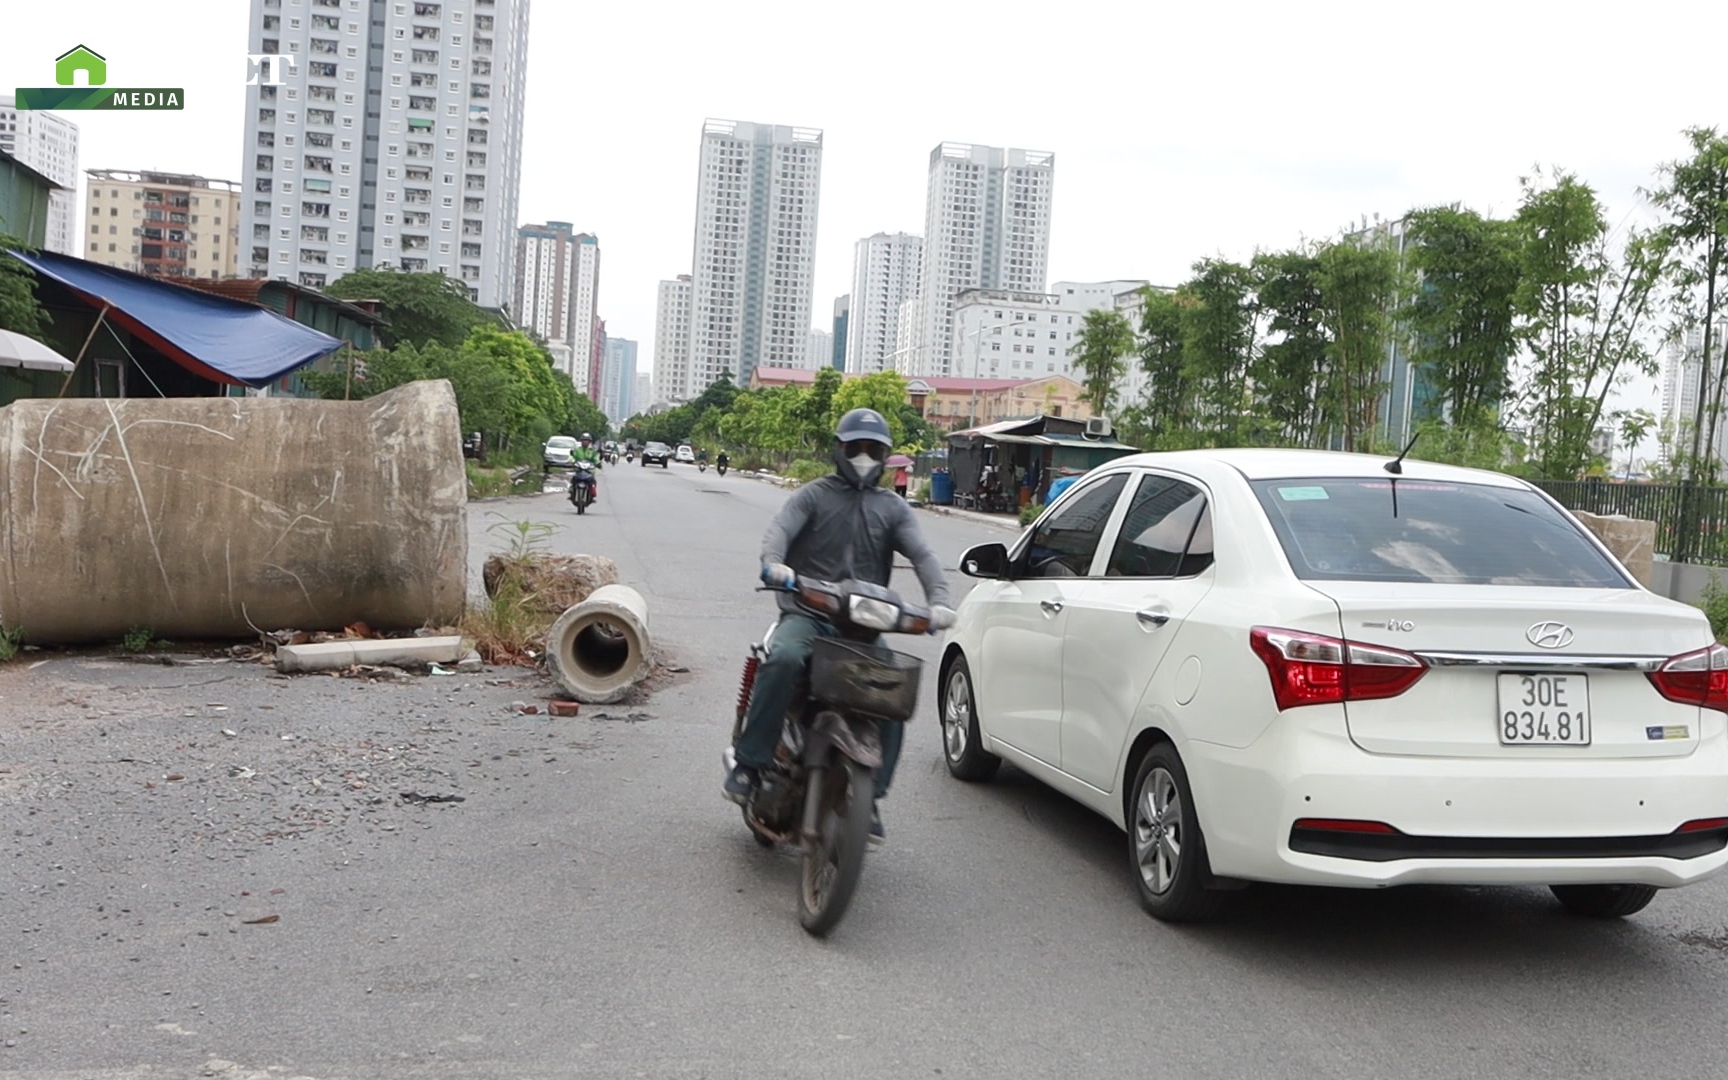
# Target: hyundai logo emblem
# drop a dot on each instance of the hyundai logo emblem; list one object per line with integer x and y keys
{"x": 1550, "y": 635}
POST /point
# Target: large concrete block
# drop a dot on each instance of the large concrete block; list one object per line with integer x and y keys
{"x": 1632, "y": 540}
{"x": 204, "y": 517}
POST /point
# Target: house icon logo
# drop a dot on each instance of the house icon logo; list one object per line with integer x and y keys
{"x": 82, "y": 58}
{"x": 93, "y": 92}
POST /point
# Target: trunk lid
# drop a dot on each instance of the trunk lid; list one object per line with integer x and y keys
{"x": 1547, "y": 661}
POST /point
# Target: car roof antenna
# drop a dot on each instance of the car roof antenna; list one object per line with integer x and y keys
{"x": 1396, "y": 465}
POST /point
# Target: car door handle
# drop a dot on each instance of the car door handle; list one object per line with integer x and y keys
{"x": 1152, "y": 617}
{"x": 1051, "y": 607}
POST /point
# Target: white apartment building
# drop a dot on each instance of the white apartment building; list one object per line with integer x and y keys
{"x": 821, "y": 351}
{"x": 1001, "y": 334}
{"x": 618, "y": 380}
{"x": 672, "y": 379}
{"x": 556, "y": 292}
{"x": 754, "y": 252}
{"x": 48, "y": 144}
{"x": 986, "y": 226}
{"x": 1681, "y": 370}
{"x": 644, "y": 395}
{"x": 162, "y": 224}
{"x": 394, "y": 140}
{"x": 884, "y": 276}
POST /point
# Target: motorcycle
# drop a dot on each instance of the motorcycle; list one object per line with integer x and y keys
{"x": 611, "y": 457}
{"x": 720, "y": 468}
{"x": 581, "y": 489}
{"x": 701, "y": 464}
{"x": 629, "y": 456}
{"x": 820, "y": 792}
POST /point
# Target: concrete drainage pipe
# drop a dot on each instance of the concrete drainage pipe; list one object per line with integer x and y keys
{"x": 599, "y": 649}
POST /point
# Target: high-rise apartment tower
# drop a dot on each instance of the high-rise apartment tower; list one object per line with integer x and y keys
{"x": 986, "y": 226}
{"x": 392, "y": 138}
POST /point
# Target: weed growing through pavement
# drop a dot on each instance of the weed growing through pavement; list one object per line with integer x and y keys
{"x": 507, "y": 629}
{"x": 11, "y": 641}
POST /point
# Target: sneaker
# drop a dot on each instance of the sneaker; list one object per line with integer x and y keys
{"x": 740, "y": 784}
{"x": 878, "y": 836}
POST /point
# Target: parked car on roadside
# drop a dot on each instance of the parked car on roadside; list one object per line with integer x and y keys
{"x": 1330, "y": 669}
{"x": 558, "y": 453}
{"x": 657, "y": 453}
{"x": 686, "y": 455}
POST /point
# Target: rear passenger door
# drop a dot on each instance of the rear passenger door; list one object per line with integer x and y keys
{"x": 1121, "y": 624}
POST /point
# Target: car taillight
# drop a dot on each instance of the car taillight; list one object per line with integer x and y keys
{"x": 1695, "y": 678}
{"x": 1312, "y": 669}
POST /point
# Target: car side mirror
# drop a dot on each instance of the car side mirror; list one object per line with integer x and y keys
{"x": 985, "y": 561}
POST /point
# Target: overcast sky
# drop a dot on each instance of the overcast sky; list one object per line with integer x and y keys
{"x": 1180, "y": 130}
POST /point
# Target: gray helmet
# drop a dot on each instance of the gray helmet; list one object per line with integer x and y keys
{"x": 864, "y": 424}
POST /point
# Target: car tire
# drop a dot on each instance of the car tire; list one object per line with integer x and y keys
{"x": 962, "y": 747}
{"x": 1166, "y": 851}
{"x": 1604, "y": 901}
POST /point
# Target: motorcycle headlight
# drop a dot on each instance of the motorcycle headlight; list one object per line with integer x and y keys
{"x": 873, "y": 614}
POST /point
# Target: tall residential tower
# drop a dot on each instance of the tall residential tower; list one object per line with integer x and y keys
{"x": 754, "y": 258}
{"x": 986, "y": 226}
{"x": 672, "y": 342}
{"x": 556, "y": 292}
{"x": 884, "y": 276}
{"x": 394, "y": 138}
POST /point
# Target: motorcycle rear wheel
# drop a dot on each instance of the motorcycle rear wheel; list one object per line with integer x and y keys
{"x": 834, "y": 862}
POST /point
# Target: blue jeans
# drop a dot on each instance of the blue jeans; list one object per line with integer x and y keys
{"x": 777, "y": 680}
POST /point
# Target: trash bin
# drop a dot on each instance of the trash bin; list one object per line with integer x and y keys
{"x": 941, "y": 488}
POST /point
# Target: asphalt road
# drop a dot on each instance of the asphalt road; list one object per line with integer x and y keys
{"x": 594, "y": 908}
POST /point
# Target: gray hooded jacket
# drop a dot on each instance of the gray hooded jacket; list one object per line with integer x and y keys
{"x": 838, "y": 527}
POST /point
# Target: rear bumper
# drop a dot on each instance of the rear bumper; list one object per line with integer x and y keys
{"x": 1458, "y": 821}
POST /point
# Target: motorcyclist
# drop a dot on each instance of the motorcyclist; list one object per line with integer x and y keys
{"x": 586, "y": 457}
{"x": 722, "y": 460}
{"x": 843, "y": 526}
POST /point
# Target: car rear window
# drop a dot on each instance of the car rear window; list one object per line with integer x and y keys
{"x": 1351, "y": 529}
{"x": 560, "y": 442}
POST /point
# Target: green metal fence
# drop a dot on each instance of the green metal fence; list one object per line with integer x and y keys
{"x": 1691, "y": 520}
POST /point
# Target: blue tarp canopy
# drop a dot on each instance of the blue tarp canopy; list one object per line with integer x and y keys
{"x": 220, "y": 339}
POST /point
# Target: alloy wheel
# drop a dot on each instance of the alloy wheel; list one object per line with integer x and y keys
{"x": 1158, "y": 830}
{"x": 956, "y": 714}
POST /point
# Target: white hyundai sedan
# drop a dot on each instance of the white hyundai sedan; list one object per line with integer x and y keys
{"x": 1331, "y": 669}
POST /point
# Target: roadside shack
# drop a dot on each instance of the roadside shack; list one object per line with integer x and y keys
{"x": 1001, "y": 467}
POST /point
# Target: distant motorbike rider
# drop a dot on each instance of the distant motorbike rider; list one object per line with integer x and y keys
{"x": 842, "y": 527}
{"x": 722, "y": 460}
{"x": 586, "y": 457}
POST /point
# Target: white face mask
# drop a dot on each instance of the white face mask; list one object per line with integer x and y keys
{"x": 865, "y": 466}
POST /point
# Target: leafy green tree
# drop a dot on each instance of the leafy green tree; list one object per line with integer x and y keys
{"x": 19, "y": 310}
{"x": 1694, "y": 201}
{"x": 1359, "y": 289}
{"x": 1101, "y": 352}
{"x": 1459, "y": 315}
{"x": 1583, "y": 307}
{"x": 885, "y": 391}
{"x": 1162, "y": 415}
{"x": 421, "y": 308}
{"x": 1293, "y": 361}
{"x": 1218, "y": 338}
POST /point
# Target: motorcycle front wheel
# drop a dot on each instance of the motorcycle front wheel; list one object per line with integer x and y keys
{"x": 834, "y": 860}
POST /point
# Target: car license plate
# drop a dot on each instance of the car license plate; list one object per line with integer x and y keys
{"x": 1544, "y": 710}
